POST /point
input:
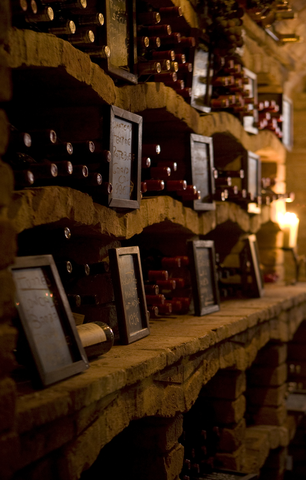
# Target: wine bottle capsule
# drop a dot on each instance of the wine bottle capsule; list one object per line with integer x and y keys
{"x": 46, "y": 14}
{"x": 148, "y": 18}
{"x": 167, "y": 284}
{"x": 148, "y": 68}
{"x": 156, "y": 30}
{"x": 150, "y": 149}
{"x": 97, "y": 51}
{"x": 177, "y": 305}
{"x": 171, "y": 165}
{"x": 185, "y": 92}
{"x": 74, "y": 300}
{"x": 154, "y": 41}
{"x": 165, "y": 309}
{"x": 180, "y": 282}
{"x": 184, "y": 260}
{"x": 155, "y": 299}
{"x": 160, "y": 172}
{"x": 23, "y": 178}
{"x": 151, "y": 289}
{"x": 143, "y": 42}
{"x": 176, "y": 185}
{"x": 20, "y": 139}
{"x": 165, "y": 54}
{"x": 95, "y": 19}
{"x": 146, "y": 162}
{"x": 180, "y": 58}
{"x": 43, "y": 137}
{"x": 168, "y": 262}
{"x": 66, "y": 28}
{"x": 154, "y": 185}
{"x": 154, "y": 275}
{"x": 153, "y": 311}
{"x": 172, "y": 39}
{"x": 166, "y": 77}
{"x": 85, "y": 37}
{"x": 170, "y": 12}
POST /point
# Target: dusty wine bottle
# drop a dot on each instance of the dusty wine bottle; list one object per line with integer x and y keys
{"x": 64, "y": 28}
{"x": 43, "y": 137}
{"x": 23, "y": 178}
{"x": 95, "y": 19}
{"x": 148, "y": 18}
{"x": 97, "y": 338}
{"x": 82, "y": 37}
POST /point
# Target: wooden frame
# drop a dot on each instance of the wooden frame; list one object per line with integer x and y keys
{"x": 203, "y": 276}
{"x": 201, "y": 89}
{"x": 252, "y": 173}
{"x": 125, "y": 145}
{"x": 287, "y": 125}
{"x": 46, "y": 319}
{"x": 250, "y": 264}
{"x": 248, "y": 120}
{"x": 121, "y": 38}
{"x": 129, "y": 292}
{"x": 202, "y": 166}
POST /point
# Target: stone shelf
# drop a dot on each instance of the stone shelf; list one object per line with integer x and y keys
{"x": 66, "y": 206}
{"x": 59, "y": 74}
{"x": 64, "y": 426}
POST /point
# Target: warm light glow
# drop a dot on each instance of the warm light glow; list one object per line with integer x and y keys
{"x": 289, "y": 223}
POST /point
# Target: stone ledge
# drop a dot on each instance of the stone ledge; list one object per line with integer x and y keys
{"x": 45, "y": 205}
{"x": 53, "y": 60}
{"x": 161, "y": 376}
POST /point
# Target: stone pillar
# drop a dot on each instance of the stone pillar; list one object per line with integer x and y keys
{"x": 8, "y": 438}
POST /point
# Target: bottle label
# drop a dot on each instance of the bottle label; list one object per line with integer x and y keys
{"x": 91, "y": 334}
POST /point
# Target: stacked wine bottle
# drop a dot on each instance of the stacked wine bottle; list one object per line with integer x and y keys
{"x": 165, "y": 48}
{"x": 39, "y": 158}
{"x": 231, "y": 88}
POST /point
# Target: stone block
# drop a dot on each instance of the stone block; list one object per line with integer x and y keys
{"x": 277, "y": 458}
{"x": 232, "y": 461}
{"x": 5, "y": 75}
{"x": 5, "y": 19}
{"x": 7, "y": 404}
{"x": 9, "y": 451}
{"x": 266, "y": 376}
{"x": 8, "y": 338}
{"x": 272, "y": 355}
{"x": 229, "y": 411}
{"x": 158, "y": 435}
{"x": 150, "y": 467}
{"x": 269, "y": 415}
{"x": 8, "y": 243}
{"x": 273, "y": 396}
{"x": 7, "y": 291}
{"x": 232, "y": 438}
{"x": 6, "y": 181}
{"x": 227, "y": 384}
{"x": 273, "y": 433}
{"x": 257, "y": 443}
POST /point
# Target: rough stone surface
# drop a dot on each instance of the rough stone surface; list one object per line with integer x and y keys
{"x": 257, "y": 445}
{"x": 270, "y": 415}
{"x": 6, "y": 181}
{"x": 272, "y": 355}
{"x": 228, "y": 411}
{"x": 7, "y": 404}
{"x": 8, "y": 243}
{"x": 231, "y": 438}
{"x": 267, "y": 396}
{"x": 227, "y": 384}
{"x": 263, "y": 376}
{"x": 232, "y": 461}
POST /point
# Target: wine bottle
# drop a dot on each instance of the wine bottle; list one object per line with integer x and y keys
{"x": 165, "y": 54}
{"x": 96, "y": 19}
{"x": 82, "y": 37}
{"x": 151, "y": 289}
{"x": 148, "y": 18}
{"x": 97, "y": 51}
{"x": 155, "y": 299}
{"x": 97, "y": 338}
{"x": 23, "y": 178}
{"x": 63, "y": 28}
{"x": 162, "y": 173}
{"x": 153, "y": 311}
{"x": 152, "y": 185}
{"x": 150, "y": 149}
{"x": 98, "y": 268}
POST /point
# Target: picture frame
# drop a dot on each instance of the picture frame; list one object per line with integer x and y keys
{"x": 125, "y": 145}
{"x": 249, "y": 121}
{"x": 129, "y": 293}
{"x": 252, "y": 278}
{"x": 203, "y": 276}
{"x": 251, "y": 165}
{"x": 46, "y": 319}
{"x": 121, "y": 38}
{"x": 201, "y": 88}
{"x": 202, "y": 167}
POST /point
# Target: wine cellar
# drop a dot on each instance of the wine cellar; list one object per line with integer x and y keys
{"x": 153, "y": 297}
